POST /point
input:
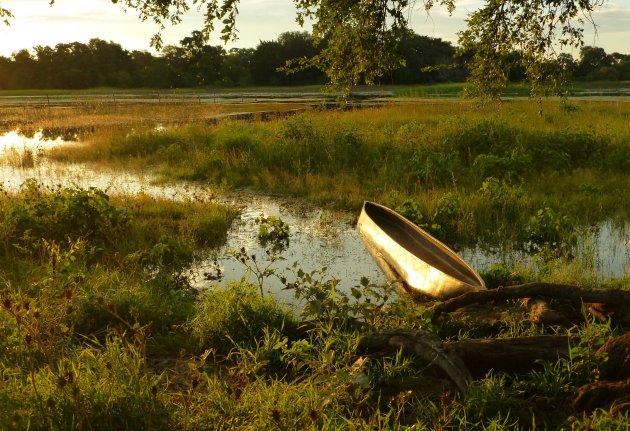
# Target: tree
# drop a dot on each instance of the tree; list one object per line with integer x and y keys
{"x": 149, "y": 71}
{"x": 204, "y": 61}
{"x": 426, "y": 60}
{"x": 361, "y": 35}
{"x": 270, "y": 58}
{"x": 535, "y": 28}
{"x": 592, "y": 60}
{"x": 23, "y": 75}
{"x": 237, "y": 66}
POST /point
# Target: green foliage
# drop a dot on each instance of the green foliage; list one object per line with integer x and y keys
{"x": 498, "y": 29}
{"x": 412, "y": 211}
{"x": 502, "y": 198}
{"x": 547, "y": 228}
{"x": 500, "y": 275}
{"x": 619, "y": 158}
{"x": 100, "y": 387}
{"x": 510, "y": 168}
{"x": 273, "y": 230}
{"x": 599, "y": 419}
{"x": 262, "y": 366}
{"x": 237, "y": 316}
{"x": 443, "y": 223}
{"x": 61, "y": 218}
{"x": 323, "y": 302}
{"x": 434, "y": 168}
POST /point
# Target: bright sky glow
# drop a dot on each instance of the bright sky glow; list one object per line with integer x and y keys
{"x": 36, "y": 23}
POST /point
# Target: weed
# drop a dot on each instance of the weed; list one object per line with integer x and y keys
{"x": 274, "y": 231}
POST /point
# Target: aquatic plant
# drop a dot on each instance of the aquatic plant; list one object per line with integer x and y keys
{"x": 273, "y": 230}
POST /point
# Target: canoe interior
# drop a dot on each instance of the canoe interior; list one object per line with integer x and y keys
{"x": 421, "y": 244}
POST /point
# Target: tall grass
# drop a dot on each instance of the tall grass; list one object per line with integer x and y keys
{"x": 471, "y": 171}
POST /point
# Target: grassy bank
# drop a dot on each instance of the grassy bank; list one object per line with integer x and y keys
{"x": 511, "y": 90}
{"x": 99, "y": 330}
{"x": 504, "y": 172}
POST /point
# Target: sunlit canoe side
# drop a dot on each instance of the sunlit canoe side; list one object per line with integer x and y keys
{"x": 422, "y": 262}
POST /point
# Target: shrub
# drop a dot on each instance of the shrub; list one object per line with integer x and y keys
{"x": 63, "y": 216}
{"x": 511, "y": 168}
{"x": 547, "y": 228}
{"x": 434, "y": 168}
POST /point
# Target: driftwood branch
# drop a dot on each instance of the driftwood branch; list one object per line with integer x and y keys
{"x": 512, "y": 355}
{"x": 545, "y": 290}
{"x": 464, "y": 360}
{"x": 603, "y": 395}
{"x": 541, "y": 312}
{"x": 461, "y": 359}
{"x": 426, "y": 346}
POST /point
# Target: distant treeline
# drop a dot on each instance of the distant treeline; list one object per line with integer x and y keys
{"x": 193, "y": 63}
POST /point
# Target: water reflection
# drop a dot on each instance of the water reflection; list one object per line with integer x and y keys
{"x": 17, "y": 142}
{"x": 601, "y": 251}
{"x": 318, "y": 238}
{"x": 47, "y": 135}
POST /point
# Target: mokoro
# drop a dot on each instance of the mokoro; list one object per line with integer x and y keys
{"x": 422, "y": 262}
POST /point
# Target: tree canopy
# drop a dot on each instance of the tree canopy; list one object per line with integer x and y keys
{"x": 360, "y": 36}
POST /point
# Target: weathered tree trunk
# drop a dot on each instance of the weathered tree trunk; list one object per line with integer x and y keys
{"x": 464, "y": 360}
{"x": 514, "y": 355}
{"x": 603, "y": 395}
{"x": 615, "y": 393}
{"x": 422, "y": 344}
{"x": 544, "y": 290}
{"x": 541, "y": 313}
{"x": 616, "y": 352}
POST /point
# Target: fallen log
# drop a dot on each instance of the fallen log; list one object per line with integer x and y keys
{"x": 545, "y": 290}
{"x": 512, "y": 355}
{"x": 616, "y": 356}
{"x": 427, "y": 346}
{"x": 474, "y": 357}
{"x": 465, "y": 360}
{"x": 541, "y": 313}
{"x": 603, "y": 395}
{"x": 613, "y": 394}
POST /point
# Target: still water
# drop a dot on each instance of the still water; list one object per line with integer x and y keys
{"x": 318, "y": 238}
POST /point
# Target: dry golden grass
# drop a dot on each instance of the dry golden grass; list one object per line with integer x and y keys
{"x": 95, "y": 115}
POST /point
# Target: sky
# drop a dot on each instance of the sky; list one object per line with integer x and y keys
{"x": 36, "y": 23}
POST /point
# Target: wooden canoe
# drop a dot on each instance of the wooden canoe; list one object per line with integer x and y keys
{"x": 422, "y": 262}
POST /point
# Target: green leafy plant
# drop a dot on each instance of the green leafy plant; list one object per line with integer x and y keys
{"x": 547, "y": 228}
{"x": 274, "y": 231}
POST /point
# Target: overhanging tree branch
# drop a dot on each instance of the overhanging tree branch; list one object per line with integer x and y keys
{"x": 360, "y": 37}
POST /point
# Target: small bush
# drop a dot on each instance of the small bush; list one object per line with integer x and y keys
{"x": 434, "y": 168}
{"x": 503, "y": 199}
{"x": 500, "y": 275}
{"x": 272, "y": 229}
{"x": 63, "y": 216}
{"x": 510, "y": 168}
{"x": 92, "y": 388}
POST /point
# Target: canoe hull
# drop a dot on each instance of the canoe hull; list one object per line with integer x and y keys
{"x": 422, "y": 262}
